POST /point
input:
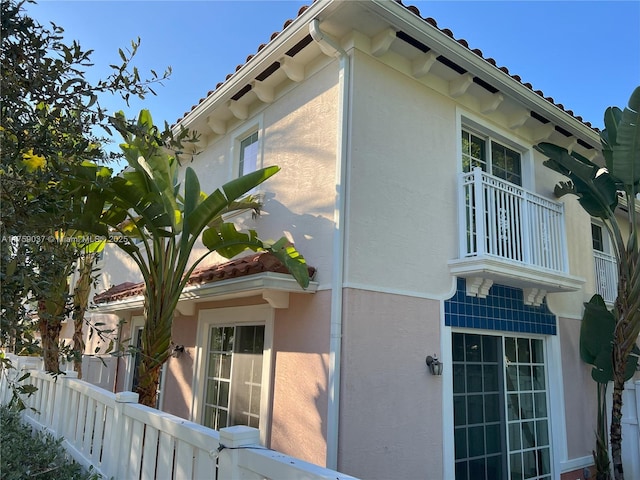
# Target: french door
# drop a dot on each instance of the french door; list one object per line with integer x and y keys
{"x": 501, "y": 421}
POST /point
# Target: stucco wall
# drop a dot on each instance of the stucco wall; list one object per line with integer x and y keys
{"x": 301, "y": 354}
{"x": 579, "y": 392}
{"x": 298, "y": 134}
{"x": 402, "y": 198}
{"x": 390, "y": 409}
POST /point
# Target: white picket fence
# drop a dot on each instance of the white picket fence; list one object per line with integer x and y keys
{"x": 122, "y": 439}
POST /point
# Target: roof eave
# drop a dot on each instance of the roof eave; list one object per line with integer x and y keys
{"x": 274, "y": 288}
{"x": 274, "y": 50}
{"x": 397, "y": 14}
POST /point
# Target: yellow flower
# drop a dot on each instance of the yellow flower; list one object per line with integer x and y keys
{"x": 32, "y": 161}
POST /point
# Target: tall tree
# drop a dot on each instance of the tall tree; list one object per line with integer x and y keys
{"x": 148, "y": 204}
{"x": 599, "y": 191}
{"x": 49, "y": 111}
{"x": 596, "y": 348}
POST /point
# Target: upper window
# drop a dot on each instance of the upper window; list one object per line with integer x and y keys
{"x": 491, "y": 156}
{"x": 596, "y": 235}
{"x": 248, "y": 154}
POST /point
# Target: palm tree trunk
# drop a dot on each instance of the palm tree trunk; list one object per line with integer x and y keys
{"x": 625, "y": 337}
{"x": 49, "y": 325}
{"x": 616, "y": 411}
{"x": 80, "y": 302}
{"x": 156, "y": 339}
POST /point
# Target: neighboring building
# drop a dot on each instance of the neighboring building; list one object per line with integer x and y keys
{"x": 410, "y": 183}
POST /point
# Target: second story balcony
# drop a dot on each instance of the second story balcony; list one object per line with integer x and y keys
{"x": 510, "y": 236}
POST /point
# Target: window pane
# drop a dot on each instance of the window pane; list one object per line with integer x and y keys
{"x": 529, "y": 464}
{"x": 492, "y": 408}
{"x": 473, "y": 350}
{"x": 510, "y": 349}
{"x": 537, "y": 355}
{"x": 542, "y": 433}
{"x": 474, "y": 378}
{"x": 526, "y": 405}
{"x": 524, "y": 377}
{"x": 515, "y": 442}
{"x": 513, "y": 407}
{"x": 494, "y": 467}
{"x": 223, "y": 399}
{"x": 491, "y": 378}
{"x": 596, "y": 235}
{"x": 505, "y": 163}
{"x": 477, "y": 468}
{"x": 515, "y": 465}
{"x": 524, "y": 354}
{"x": 512, "y": 378}
{"x": 459, "y": 410}
{"x": 475, "y": 409}
{"x": 476, "y": 441}
{"x": 248, "y": 154}
{"x": 538, "y": 378}
{"x": 225, "y": 369}
{"x": 545, "y": 461}
{"x": 489, "y": 349}
{"x": 473, "y": 152}
{"x": 460, "y": 437}
{"x": 459, "y": 379}
{"x": 528, "y": 435}
{"x": 214, "y": 365}
{"x": 458, "y": 347}
{"x": 461, "y": 471}
{"x": 541, "y": 404}
{"x": 493, "y": 438}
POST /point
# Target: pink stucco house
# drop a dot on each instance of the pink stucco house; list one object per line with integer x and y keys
{"x": 410, "y": 184}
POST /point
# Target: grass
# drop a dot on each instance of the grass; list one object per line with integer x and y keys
{"x": 26, "y": 454}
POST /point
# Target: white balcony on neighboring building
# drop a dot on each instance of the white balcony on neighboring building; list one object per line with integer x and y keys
{"x": 511, "y": 236}
{"x": 606, "y": 275}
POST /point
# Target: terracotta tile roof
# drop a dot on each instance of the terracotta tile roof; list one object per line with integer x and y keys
{"x": 433, "y": 23}
{"x": 240, "y": 267}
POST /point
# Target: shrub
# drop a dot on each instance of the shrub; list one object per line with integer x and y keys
{"x": 25, "y": 453}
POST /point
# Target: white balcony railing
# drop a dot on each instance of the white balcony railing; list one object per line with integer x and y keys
{"x": 606, "y": 274}
{"x": 503, "y": 220}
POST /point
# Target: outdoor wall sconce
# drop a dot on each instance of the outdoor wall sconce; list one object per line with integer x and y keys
{"x": 435, "y": 366}
{"x": 177, "y": 351}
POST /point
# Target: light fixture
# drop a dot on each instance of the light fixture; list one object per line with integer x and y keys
{"x": 177, "y": 351}
{"x": 435, "y": 366}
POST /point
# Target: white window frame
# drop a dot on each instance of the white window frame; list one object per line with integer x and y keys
{"x": 607, "y": 246}
{"x": 240, "y": 134}
{"x": 480, "y": 127}
{"x": 234, "y": 316}
{"x": 555, "y": 395}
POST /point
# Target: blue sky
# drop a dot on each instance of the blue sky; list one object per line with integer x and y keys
{"x": 584, "y": 54}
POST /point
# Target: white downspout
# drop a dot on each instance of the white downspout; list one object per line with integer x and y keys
{"x": 332, "y": 48}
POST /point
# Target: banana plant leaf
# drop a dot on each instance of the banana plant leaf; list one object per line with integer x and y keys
{"x": 596, "y": 341}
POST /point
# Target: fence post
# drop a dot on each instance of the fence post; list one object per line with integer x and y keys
{"x": 61, "y": 401}
{"x": 231, "y": 438}
{"x": 116, "y": 447}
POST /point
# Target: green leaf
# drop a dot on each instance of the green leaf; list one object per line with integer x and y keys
{"x": 626, "y": 152}
{"x": 241, "y": 185}
{"x": 284, "y": 251}
{"x": 596, "y": 331}
{"x": 206, "y": 211}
